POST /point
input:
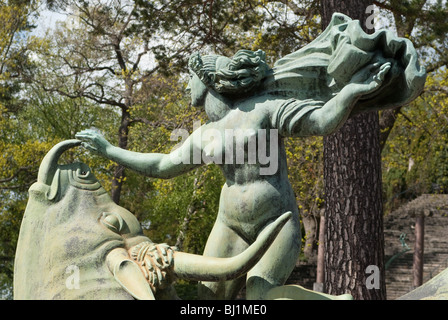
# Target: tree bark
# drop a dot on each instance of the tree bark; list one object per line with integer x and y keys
{"x": 320, "y": 277}
{"x": 355, "y": 9}
{"x": 387, "y": 122}
{"x": 119, "y": 171}
{"x": 418, "y": 250}
{"x": 310, "y": 226}
{"x": 352, "y": 173}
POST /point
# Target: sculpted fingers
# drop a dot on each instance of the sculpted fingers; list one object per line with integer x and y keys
{"x": 93, "y": 141}
{"x": 155, "y": 261}
{"x": 379, "y": 76}
{"x": 89, "y": 147}
{"x": 166, "y": 252}
{"x": 86, "y": 134}
{"x": 154, "y": 254}
{"x": 376, "y": 74}
{"x": 384, "y": 69}
{"x": 170, "y": 256}
{"x": 162, "y": 255}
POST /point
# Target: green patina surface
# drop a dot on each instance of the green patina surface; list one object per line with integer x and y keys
{"x": 312, "y": 91}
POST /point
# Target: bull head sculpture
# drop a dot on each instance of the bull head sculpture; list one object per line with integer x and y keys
{"x": 72, "y": 223}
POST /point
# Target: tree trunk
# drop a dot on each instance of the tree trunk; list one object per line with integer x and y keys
{"x": 119, "y": 171}
{"x": 310, "y": 226}
{"x": 419, "y": 250}
{"x": 387, "y": 122}
{"x": 354, "y": 241}
{"x": 355, "y": 9}
{"x": 320, "y": 277}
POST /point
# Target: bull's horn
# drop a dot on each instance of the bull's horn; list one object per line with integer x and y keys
{"x": 201, "y": 268}
{"x": 49, "y": 164}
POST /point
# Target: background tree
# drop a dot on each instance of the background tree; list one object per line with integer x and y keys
{"x": 425, "y": 23}
{"x": 353, "y": 195}
{"x": 93, "y": 56}
{"x": 415, "y": 156}
{"x": 114, "y": 52}
{"x": 16, "y": 164}
{"x": 108, "y": 50}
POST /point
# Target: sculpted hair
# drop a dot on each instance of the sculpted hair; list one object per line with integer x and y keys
{"x": 240, "y": 74}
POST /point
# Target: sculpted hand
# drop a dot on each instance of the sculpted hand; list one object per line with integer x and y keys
{"x": 162, "y": 255}
{"x": 156, "y": 261}
{"x": 368, "y": 79}
{"x": 94, "y": 141}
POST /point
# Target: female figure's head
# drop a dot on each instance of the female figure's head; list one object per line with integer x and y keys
{"x": 231, "y": 77}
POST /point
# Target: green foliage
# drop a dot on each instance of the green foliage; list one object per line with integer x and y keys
{"x": 16, "y": 21}
{"x": 16, "y": 166}
{"x": 192, "y": 198}
{"x": 225, "y": 26}
{"x": 415, "y": 158}
{"x": 306, "y": 172}
{"x": 165, "y": 205}
{"x": 186, "y": 290}
{"x": 123, "y": 60}
{"x": 25, "y": 138}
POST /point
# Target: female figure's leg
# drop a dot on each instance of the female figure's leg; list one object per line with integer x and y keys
{"x": 222, "y": 242}
{"x": 278, "y": 262}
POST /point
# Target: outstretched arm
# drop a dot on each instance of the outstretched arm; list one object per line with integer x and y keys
{"x": 331, "y": 116}
{"x": 156, "y": 165}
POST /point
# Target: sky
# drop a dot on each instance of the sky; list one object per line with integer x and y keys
{"x": 46, "y": 20}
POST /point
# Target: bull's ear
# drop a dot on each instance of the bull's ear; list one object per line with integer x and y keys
{"x": 130, "y": 277}
{"x": 38, "y": 192}
{"x": 44, "y": 192}
{"x": 54, "y": 187}
{"x": 128, "y": 274}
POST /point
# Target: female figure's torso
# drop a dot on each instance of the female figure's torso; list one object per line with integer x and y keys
{"x": 249, "y": 198}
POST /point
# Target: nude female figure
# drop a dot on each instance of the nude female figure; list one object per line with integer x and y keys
{"x": 309, "y": 92}
{"x": 249, "y": 200}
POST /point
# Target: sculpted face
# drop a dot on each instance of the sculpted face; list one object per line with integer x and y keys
{"x": 197, "y": 90}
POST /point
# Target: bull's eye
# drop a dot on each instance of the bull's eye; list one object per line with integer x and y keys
{"x": 112, "y": 221}
{"x": 83, "y": 173}
{"x": 82, "y": 177}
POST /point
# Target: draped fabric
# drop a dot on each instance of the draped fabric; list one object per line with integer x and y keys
{"x": 287, "y": 117}
{"x": 318, "y": 71}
